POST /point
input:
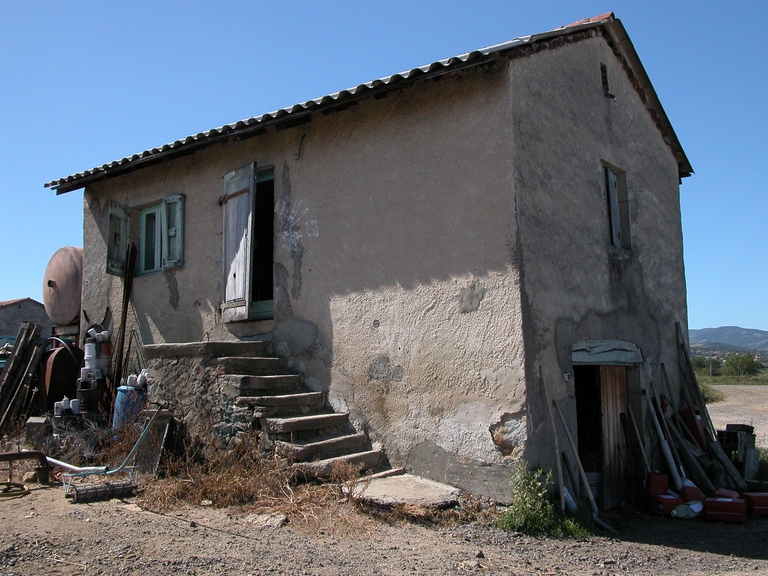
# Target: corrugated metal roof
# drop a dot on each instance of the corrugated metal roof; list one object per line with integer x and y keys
{"x": 254, "y": 125}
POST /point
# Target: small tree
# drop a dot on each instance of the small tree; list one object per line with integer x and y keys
{"x": 704, "y": 366}
{"x": 740, "y": 365}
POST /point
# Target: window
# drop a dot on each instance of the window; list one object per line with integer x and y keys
{"x": 618, "y": 208}
{"x": 604, "y": 78}
{"x": 161, "y": 235}
{"x": 117, "y": 239}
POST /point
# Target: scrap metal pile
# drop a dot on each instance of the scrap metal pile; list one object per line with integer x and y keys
{"x": 703, "y": 478}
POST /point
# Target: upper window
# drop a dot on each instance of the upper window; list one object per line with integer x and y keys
{"x": 117, "y": 239}
{"x": 618, "y": 208}
{"x": 161, "y": 235}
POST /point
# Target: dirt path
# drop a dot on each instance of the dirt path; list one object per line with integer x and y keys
{"x": 742, "y": 405}
{"x": 43, "y": 533}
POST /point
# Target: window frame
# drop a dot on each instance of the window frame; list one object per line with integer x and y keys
{"x": 117, "y": 239}
{"x": 617, "y": 199}
{"x": 157, "y": 239}
{"x": 168, "y": 238}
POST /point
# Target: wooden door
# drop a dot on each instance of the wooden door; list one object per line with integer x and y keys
{"x": 237, "y": 235}
{"x": 613, "y": 391}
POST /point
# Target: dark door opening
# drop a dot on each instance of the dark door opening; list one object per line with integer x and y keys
{"x": 601, "y": 399}
{"x": 263, "y": 246}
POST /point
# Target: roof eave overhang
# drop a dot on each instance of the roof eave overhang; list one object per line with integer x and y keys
{"x": 621, "y": 42}
{"x": 254, "y": 126}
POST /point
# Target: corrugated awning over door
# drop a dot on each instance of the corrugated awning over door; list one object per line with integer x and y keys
{"x": 606, "y": 353}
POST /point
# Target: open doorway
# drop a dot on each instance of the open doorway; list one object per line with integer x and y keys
{"x": 601, "y": 402}
{"x": 263, "y": 245}
{"x": 248, "y": 243}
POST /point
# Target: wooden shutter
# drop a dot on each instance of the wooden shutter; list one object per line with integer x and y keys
{"x": 237, "y": 202}
{"x": 172, "y": 220}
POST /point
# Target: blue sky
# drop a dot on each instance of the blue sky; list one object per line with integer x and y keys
{"x": 83, "y": 83}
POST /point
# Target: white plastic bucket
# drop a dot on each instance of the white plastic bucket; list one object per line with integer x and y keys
{"x": 90, "y": 350}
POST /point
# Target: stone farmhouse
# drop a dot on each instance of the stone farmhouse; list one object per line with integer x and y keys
{"x": 412, "y": 269}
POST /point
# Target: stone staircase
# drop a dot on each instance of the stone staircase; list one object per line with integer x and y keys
{"x": 295, "y": 419}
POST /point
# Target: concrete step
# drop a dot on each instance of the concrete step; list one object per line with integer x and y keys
{"x": 303, "y": 423}
{"x": 334, "y": 446}
{"x": 323, "y": 468}
{"x": 216, "y": 348}
{"x": 259, "y": 366}
{"x": 284, "y": 405}
{"x": 269, "y": 384}
{"x": 253, "y": 366}
{"x": 301, "y": 399}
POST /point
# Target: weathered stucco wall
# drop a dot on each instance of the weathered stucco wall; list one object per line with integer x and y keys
{"x": 575, "y": 286}
{"x": 396, "y": 288}
{"x": 433, "y": 249}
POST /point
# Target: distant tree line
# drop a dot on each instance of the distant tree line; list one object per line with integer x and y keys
{"x": 733, "y": 365}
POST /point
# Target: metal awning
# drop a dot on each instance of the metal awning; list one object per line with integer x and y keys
{"x": 606, "y": 352}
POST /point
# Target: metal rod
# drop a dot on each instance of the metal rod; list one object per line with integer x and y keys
{"x": 664, "y": 446}
{"x": 639, "y": 439}
{"x": 581, "y": 471}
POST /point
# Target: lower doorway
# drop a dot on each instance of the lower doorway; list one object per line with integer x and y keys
{"x": 601, "y": 405}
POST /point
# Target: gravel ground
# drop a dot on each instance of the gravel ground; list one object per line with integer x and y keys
{"x": 44, "y": 533}
{"x": 743, "y": 405}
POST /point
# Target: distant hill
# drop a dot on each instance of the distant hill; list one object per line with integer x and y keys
{"x": 743, "y": 338}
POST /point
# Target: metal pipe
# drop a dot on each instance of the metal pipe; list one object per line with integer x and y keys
{"x": 664, "y": 446}
{"x": 135, "y": 448}
{"x": 583, "y": 474}
{"x": 78, "y": 469}
{"x": 65, "y": 346}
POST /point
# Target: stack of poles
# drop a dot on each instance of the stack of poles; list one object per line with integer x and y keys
{"x": 17, "y": 382}
{"x": 682, "y": 452}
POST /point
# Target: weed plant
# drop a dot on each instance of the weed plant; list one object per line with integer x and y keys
{"x": 531, "y": 511}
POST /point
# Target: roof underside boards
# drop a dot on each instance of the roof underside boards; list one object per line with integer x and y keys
{"x": 611, "y": 28}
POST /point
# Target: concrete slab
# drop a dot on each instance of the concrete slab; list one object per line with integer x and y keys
{"x": 407, "y": 489}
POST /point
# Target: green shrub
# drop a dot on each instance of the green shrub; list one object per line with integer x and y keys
{"x": 531, "y": 512}
{"x": 740, "y": 365}
{"x": 710, "y": 393}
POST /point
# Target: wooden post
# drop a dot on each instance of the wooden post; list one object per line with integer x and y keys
{"x": 557, "y": 443}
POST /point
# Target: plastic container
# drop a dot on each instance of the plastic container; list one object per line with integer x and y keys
{"x": 656, "y": 484}
{"x": 90, "y": 350}
{"x": 595, "y": 480}
{"x": 105, "y": 350}
{"x": 688, "y": 510}
{"x": 725, "y": 493}
{"x": 731, "y": 510}
{"x": 663, "y": 504}
{"x": 74, "y": 405}
{"x": 142, "y": 379}
{"x": 690, "y": 492}
{"x": 128, "y": 405}
{"x": 757, "y": 503}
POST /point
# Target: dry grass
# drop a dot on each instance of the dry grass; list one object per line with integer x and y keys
{"x": 247, "y": 477}
{"x": 259, "y": 482}
{"x": 470, "y": 509}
